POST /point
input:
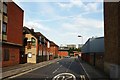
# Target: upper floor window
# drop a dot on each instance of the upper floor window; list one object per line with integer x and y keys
{"x": 5, "y": 8}
{"x": 29, "y": 45}
{"x": 40, "y": 38}
{"x": 4, "y": 28}
{"x": 33, "y": 41}
{"x": 25, "y": 41}
{"x": 48, "y": 44}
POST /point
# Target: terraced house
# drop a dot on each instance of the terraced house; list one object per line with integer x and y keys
{"x": 36, "y": 46}
{"x": 53, "y": 50}
{"x": 44, "y": 47}
{"x": 12, "y": 24}
{"x": 31, "y": 41}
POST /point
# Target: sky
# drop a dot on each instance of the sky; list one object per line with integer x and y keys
{"x": 62, "y": 21}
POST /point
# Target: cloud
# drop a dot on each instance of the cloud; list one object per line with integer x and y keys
{"x": 83, "y": 23}
{"x": 65, "y": 29}
{"x": 37, "y": 26}
{"x": 86, "y": 6}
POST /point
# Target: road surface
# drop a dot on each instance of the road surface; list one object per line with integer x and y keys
{"x": 66, "y": 68}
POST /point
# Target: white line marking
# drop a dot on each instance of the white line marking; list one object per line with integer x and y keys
{"x": 84, "y": 70}
{"x": 57, "y": 69}
{"x": 69, "y": 66}
{"x": 82, "y": 77}
{"x": 26, "y": 72}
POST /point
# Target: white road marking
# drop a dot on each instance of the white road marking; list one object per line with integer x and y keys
{"x": 69, "y": 66}
{"x": 84, "y": 70}
{"x": 62, "y": 75}
{"x": 25, "y": 72}
{"x": 82, "y": 77}
{"x": 57, "y": 69}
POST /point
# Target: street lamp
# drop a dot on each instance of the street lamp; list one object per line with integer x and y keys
{"x": 81, "y": 37}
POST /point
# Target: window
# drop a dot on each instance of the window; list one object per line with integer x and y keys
{"x": 25, "y": 41}
{"x": 6, "y": 55}
{"x": 33, "y": 41}
{"x": 29, "y": 55}
{"x": 40, "y": 38}
{"x": 48, "y": 45}
{"x": 5, "y": 8}
{"x": 4, "y": 28}
{"x": 28, "y": 45}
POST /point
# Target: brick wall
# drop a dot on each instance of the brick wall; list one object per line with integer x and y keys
{"x": 63, "y": 53}
{"x": 13, "y": 55}
{"x": 15, "y": 23}
{"x": 112, "y": 35}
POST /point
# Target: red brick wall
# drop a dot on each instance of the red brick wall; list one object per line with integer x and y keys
{"x": 54, "y": 50}
{"x": 63, "y": 53}
{"x": 14, "y": 55}
{"x": 14, "y": 33}
{"x": 15, "y": 23}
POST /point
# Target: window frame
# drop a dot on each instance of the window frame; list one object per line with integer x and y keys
{"x": 5, "y": 7}
{"x": 6, "y": 28}
{"x": 33, "y": 41}
{"x": 6, "y": 56}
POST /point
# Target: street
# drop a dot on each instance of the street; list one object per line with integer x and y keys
{"x": 68, "y": 66}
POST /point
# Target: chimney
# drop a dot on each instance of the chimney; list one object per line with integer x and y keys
{"x": 32, "y": 29}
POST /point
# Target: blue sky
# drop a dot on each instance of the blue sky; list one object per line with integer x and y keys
{"x": 62, "y": 22}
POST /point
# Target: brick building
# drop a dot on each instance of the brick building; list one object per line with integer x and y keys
{"x": 31, "y": 43}
{"x": 44, "y": 47}
{"x": 63, "y": 51}
{"x": 12, "y": 25}
{"x": 93, "y": 52}
{"x": 53, "y": 50}
{"x": 112, "y": 38}
{"x": 36, "y": 44}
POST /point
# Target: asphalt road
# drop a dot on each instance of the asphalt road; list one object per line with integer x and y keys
{"x": 67, "y": 65}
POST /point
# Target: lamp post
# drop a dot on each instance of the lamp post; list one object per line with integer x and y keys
{"x": 82, "y": 38}
{"x": 80, "y": 55}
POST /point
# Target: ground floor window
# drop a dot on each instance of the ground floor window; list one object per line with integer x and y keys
{"x": 6, "y": 55}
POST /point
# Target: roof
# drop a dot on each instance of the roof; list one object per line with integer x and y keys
{"x": 29, "y": 31}
{"x": 94, "y": 45}
{"x": 40, "y": 34}
{"x": 53, "y": 44}
{"x": 16, "y": 5}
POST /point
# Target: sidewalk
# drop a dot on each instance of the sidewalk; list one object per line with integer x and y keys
{"x": 13, "y": 70}
{"x": 92, "y": 73}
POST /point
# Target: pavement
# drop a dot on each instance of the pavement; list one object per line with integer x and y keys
{"x": 92, "y": 72}
{"x": 49, "y": 69}
{"x": 20, "y": 68}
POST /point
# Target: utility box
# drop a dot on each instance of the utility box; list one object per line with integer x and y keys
{"x": 114, "y": 71}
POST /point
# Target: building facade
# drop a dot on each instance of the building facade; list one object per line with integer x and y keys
{"x": 43, "y": 47}
{"x": 71, "y": 46}
{"x": 93, "y": 52}
{"x": 12, "y": 25}
{"x": 112, "y": 38}
{"x": 37, "y": 46}
{"x": 63, "y": 51}
{"x": 31, "y": 43}
{"x": 53, "y": 50}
